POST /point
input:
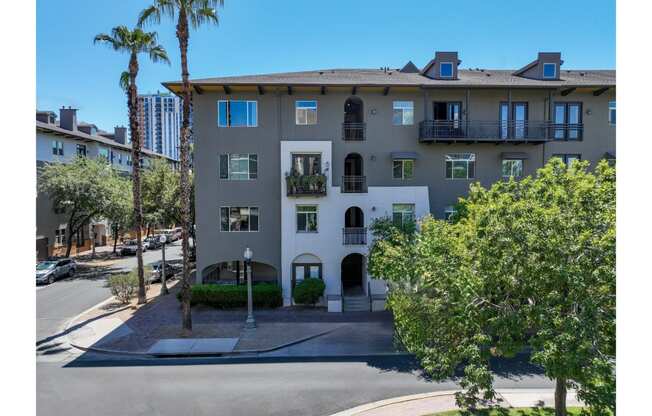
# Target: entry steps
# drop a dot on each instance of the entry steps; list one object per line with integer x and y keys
{"x": 356, "y": 304}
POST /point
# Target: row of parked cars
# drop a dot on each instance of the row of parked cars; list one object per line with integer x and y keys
{"x": 153, "y": 242}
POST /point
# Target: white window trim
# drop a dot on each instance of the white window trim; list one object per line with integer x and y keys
{"x": 554, "y": 72}
{"x": 395, "y": 107}
{"x": 403, "y": 177}
{"x": 474, "y": 160}
{"x": 413, "y": 212}
{"x": 296, "y": 113}
{"x": 511, "y": 176}
{"x": 449, "y": 211}
{"x": 236, "y": 206}
{"x": 452, "y": 70}
{"x": 228, "y": 155}
{"x": 296, "y": 219}
{"x": 228, "y": 111}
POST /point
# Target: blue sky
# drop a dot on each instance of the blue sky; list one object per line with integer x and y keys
{"x": 261, "y": 36}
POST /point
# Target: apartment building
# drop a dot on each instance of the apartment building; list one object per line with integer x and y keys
{"x": 297, "y": 165}
{"x": 160, "y": 123}
{"x": 59, "y": 141}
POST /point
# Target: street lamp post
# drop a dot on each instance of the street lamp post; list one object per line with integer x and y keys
{"x": 164, "y": 287}
{"x": 250, "y": 323}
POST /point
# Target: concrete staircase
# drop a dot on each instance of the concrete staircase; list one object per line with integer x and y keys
{"x": 356, "y": 304}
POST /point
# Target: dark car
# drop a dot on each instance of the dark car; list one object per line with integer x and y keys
{"x": 170, "y": 270}
{"x": 50, "y": 270}
{"x": 153, "y": 242}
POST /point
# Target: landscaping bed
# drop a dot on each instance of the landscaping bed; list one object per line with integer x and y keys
{"x": 264, "y": 295}
{"x": 517, "y": 411}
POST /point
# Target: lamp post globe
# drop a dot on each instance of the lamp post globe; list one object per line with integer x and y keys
{"x": 250, "y": 323}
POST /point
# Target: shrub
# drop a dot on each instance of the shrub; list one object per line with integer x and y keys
{"x": 124, "y": 286}
{"x": 264, "y": 295}
{"x": 309, "y": 291}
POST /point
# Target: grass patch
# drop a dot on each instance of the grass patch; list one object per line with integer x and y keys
{"x": 518, "y": 411}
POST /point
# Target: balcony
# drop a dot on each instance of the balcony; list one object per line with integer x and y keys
{"x": 354, "y": 236}
{"x": 306, "y": 185}
{"x": 353, "y": 131}
{"x": 354, "y": 184}
{"x": 471, "y": 131}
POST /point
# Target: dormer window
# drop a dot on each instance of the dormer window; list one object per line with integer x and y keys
{"x": 446, "y": 70}
{"x": 550, "y": 70}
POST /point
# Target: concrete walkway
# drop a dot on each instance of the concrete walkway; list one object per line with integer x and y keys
{"x": 430, "y": 403}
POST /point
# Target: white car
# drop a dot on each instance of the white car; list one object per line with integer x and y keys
{"x": 51, "y": 270}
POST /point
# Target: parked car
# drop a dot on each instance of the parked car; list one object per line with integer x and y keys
{"x": 50, "y": 270}
{"x": 153, "y": 242}
{"x": 170, "y": 270}
{"x": 130, "y": 247}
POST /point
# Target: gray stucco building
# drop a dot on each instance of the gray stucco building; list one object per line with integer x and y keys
{"x": 297, "y": 165}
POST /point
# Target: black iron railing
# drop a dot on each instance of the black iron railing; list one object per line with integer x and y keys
{"x": 353, "y": 131}
{"x": 566, "y": 131}
{"x": 354, "y": 184}
{"x": 514, "y": 130}
{"x": 354, "y": 236}
{"x": 306, "y": 185}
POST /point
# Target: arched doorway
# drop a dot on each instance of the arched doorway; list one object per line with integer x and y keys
{"x": 354, "y": 179}
{"x": 353, "y": 127}
{"x": 352, "y": 274}
{"x": 354, "y": 231}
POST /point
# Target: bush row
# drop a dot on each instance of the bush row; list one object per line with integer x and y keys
{"x": 265, "y": 295}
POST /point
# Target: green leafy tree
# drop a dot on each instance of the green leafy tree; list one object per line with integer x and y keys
{"x": 526, "y": 264}
{"x": 83, "y": 189}
{"x": 120, "y": 209}
{"x": 135, "y": 42}
{"x": 161, "y": 191}
{"x": 188, "y": 13}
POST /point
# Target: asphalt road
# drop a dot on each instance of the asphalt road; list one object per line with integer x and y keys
{"x": 59, "y": 302}
{"x": 213, "y": 387}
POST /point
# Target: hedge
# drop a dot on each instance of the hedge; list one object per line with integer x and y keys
{"x": 265, "y": 295}
{"x": 309, "y": 291}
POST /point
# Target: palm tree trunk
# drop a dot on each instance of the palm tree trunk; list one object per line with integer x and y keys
{"x": 135, "y": 172}
{"x": 183, "y": 35}
{"x": 560, "y": 397}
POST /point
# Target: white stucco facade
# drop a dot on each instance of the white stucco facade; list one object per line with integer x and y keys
{"x": 327, "y": 243}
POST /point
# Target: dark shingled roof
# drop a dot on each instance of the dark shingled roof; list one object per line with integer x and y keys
{"x": 378, "y": 77}
{"x": 81, "y": 135}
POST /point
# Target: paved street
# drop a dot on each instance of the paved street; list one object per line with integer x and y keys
{"x": 85, "y": 386}
{"x": 59, "y": 302}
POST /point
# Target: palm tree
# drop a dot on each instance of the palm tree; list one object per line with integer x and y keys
{"x": 197, "y": 12}
{"x": 134, "y": 42}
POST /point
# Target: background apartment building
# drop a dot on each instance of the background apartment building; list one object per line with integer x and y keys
{"x": 160, "y": 122}
{"x": 297, "y": 165}
{"x": 59, "y": 141}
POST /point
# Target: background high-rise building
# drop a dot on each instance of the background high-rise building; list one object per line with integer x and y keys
{"x": 160, "y": 121}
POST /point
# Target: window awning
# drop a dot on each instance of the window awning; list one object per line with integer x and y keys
{"x": 514, "y": 156}
{"x": 405, "y": 155}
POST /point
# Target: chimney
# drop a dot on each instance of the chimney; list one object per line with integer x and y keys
{"x": 68, "y": 118}
{"x": 120, "y": 134}
{"x": 46, "y": 117}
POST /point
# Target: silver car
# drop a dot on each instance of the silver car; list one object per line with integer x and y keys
{"x": 51, "y": 270}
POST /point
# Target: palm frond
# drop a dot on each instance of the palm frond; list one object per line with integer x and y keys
{"x": 153, "y": 13}
{"x": 124, "y": 81}
{"x": 203, "y": 15}
{"x": 158, "y": 53}
{"x": 106, "y": 39}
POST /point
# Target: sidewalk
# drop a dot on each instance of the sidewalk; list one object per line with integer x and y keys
{"x": 429, "y": 403}
{"x": 154, "y": 329}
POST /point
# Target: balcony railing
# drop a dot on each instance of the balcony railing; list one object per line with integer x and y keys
{"x": 354, "y": 236}
{"x": 354, "y": 184}
{"x": 566, "y": 131}
{"x": 484, "y": 131}
{"x": 306, "y": 185}
{"x": 353, "y": 131}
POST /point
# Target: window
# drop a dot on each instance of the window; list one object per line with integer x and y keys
{"x": 403, "y": 113}
{"x": 568, "y": 121}
{"x": 612, "y": 113}
{"x": 237, "y": 113}
{"x": 402, "y": 214}
{"x": 306, "y": 112}
{"x": 129, "y": 160}
{"x": 119, "y": 158}
{"x": 550, "y": 70}
{"x": 460, "y": 166}
{"x": 446, "y": 70}
{"x": 60, "y": 237}
{"x": 81, "y": 150}
{"x": 512, "y": 168}
{"x": 403, "y": 169}
{"x": 449, "y": 211}
{"x": 104, "y": 152}
{"x": 239, "y": 219}
{"x": 57, "y": 148}
{"x": 302, "y": 271}
{"x": 306, "y": 163}
{"x": 307, "y": 218}
{"x": 568, "y": 158}
{"x": 238, "y": 166}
